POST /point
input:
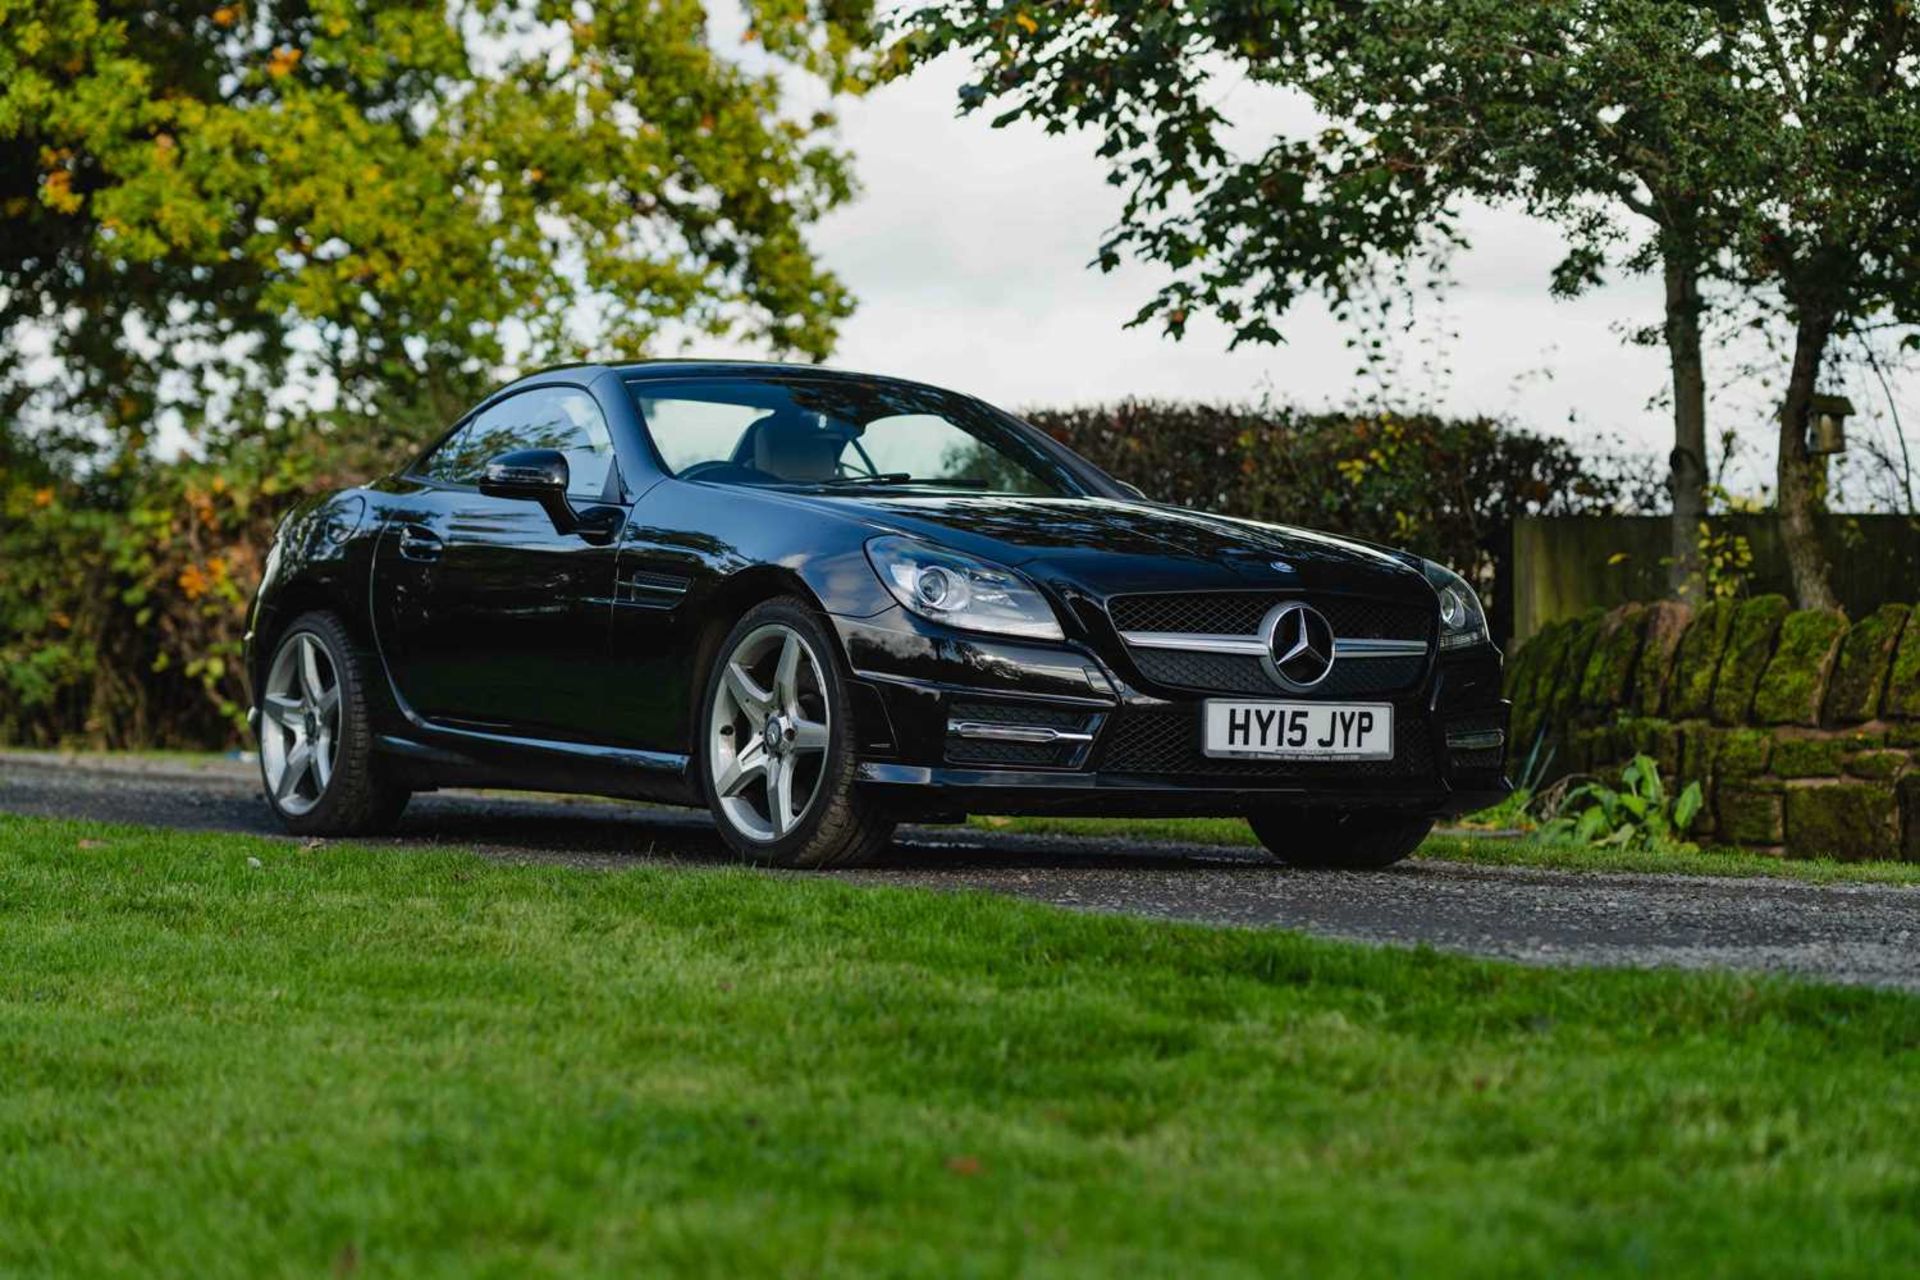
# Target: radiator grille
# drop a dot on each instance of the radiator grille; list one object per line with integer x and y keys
{"x": 1233, "y": 673}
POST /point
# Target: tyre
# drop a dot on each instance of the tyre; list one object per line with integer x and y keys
{"x": 776, "y": 745}
{"x": 316, "y": 737}
{"x": 1341, "y": 841}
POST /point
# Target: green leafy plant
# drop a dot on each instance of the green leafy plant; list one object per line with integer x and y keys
{"x": 1637, "y": 814}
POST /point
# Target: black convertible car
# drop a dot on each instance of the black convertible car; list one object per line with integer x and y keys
{"x": 820, "y": 603}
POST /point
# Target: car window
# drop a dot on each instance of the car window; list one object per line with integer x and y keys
{"x": 689, "y": 432}
{"x": 551, "y": 418}
{"x": 840, "y": 434}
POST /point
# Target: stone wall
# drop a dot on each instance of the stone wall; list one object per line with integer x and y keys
{"x": 1803, "y": 728}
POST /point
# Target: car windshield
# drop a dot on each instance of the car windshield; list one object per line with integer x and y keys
{"x": 843, "y": 435}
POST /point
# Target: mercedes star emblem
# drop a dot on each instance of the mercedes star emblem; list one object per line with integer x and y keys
{"x": 1299, "y": 643}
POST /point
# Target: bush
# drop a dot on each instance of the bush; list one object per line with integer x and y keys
{"x": 123, "y": 594}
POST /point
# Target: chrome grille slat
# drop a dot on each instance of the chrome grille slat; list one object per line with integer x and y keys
{"x": 1210, "y": 641}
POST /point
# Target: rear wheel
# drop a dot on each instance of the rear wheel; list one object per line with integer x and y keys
{"x": 777, "y": 746}
{"x": 1332, "y": 839}
{"x": 316, "y": 737}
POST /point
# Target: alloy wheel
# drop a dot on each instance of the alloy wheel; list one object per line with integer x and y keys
{"x": 300, "y": 723}
{"x": 767, "y": 732}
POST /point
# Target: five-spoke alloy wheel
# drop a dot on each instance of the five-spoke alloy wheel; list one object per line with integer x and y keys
{"x": 316, "y": 743}
{"x": 767, "y": 734}
{"x": 777, "y": 749}
{"x": 299, "y": 723}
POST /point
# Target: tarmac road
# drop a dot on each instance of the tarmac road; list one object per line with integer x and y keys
{"x": 1866, "y": 934}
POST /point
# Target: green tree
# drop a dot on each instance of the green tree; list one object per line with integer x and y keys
{"x": 1687, "y": 138}
{"x": 205, "y": 202}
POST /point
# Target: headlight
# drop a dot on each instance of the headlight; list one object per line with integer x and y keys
{"x": 1463, "y": 623}
{"x": 962, "y": 591}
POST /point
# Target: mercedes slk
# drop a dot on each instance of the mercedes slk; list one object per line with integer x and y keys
{"x": 820, "y": 604}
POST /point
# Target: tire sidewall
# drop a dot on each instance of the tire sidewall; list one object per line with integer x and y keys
{"x": 837, "y": 768}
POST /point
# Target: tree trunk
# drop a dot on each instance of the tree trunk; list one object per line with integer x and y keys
{"x": 1687, "y": 464}
{"x": 1806, "y": 558}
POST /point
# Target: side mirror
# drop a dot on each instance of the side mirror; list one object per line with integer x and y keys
{"x": 533, "y": 475}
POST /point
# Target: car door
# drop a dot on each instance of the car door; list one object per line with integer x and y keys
{"x": 488, "y": 616}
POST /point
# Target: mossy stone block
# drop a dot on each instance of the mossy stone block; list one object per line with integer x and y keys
{"x": 1665, "y": 747}
{"x": 1794, "y": 685}
{"x": 1523, "y": 670}
{"x": 1593, "y": 750}
{"x": 1697, "y": 661}
{"x": 1745, "y": 816}
{"x": 1909, "y": 791}
{"x": 1698, "y": 747}
{"x": 1903, "y": 733}
{"x": 1742, "y": 753}
{"x": 1581, "y": 638}
{"x": 1608, "y": 679}
{"x": 1666, "y": 624}
{"x": 1533, "y": 681}
{"x": 1903, "y": 681}
{"x": 1808, "y": 757}
{"x": 1756, "y": 623}
{"x": 1866, "y": 656}
{"x": 1850, "y": 821}
{"x": 1881, "y": 765}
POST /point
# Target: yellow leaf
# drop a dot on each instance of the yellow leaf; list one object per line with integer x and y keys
{"x": 1618, "y": 557}
{"x": 283, "y": 61}
{"x": 1026, "y": 23}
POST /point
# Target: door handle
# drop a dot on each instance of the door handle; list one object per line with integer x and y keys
{"x": 417, "y": 543}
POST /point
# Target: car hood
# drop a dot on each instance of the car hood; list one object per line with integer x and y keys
{"x": 1102, "y": 546}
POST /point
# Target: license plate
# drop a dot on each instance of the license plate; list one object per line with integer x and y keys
{"x": 1299, "y": 730}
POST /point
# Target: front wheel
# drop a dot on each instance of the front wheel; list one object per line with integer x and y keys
{"x": 1336, "y": 840}
{"x": 316, "y": 736}
{"x": 777, "y": 746}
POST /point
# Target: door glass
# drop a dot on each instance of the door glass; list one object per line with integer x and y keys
{"x": 554, "y": 418}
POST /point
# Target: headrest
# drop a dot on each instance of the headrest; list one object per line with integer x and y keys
{"x": 792, "y": 448}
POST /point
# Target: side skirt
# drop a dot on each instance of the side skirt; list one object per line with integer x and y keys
{"x": 441, "y": 757}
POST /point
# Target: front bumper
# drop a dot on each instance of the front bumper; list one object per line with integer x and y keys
{"x": 928, "y": 700}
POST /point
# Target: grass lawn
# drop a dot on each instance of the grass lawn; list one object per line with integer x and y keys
{"x": 228, "y": 1056}
{"x": 1492, "y": 850}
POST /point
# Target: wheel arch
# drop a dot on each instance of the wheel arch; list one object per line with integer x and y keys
{"x": 302, "y": 595}
{"x": 730, "y": 600}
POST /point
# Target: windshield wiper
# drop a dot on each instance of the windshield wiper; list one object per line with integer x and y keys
{"x": 884, "y": 477}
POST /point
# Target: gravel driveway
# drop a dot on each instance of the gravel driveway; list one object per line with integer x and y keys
{"x": 1846, "y": 933}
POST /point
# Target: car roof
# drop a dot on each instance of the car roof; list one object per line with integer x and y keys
{"x": 684, "y": 367}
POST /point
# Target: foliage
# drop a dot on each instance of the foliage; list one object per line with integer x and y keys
{"x": 1639, "y": 814}
{"x": 1515, "y": 813}
{"x": 454, "y": 1066}
{"x": 384, "y": 200}
{"x": 123, "y": 597}
{"x": 1447, "y": 488}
